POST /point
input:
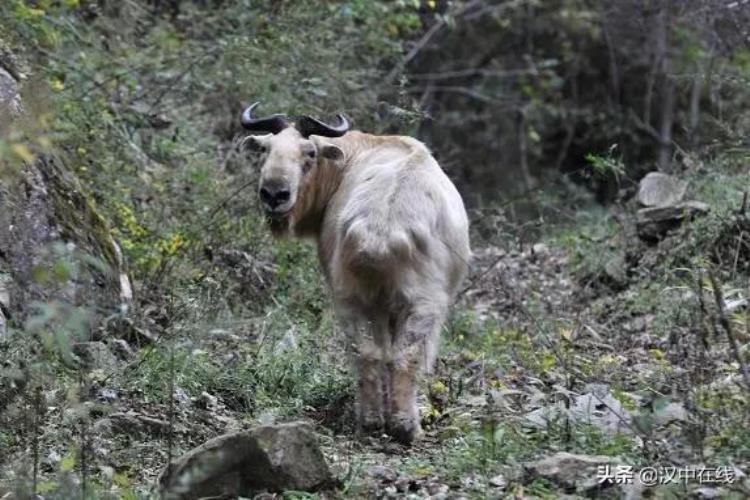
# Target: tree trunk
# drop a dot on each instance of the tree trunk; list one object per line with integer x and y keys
{"x": 667, "y": 91}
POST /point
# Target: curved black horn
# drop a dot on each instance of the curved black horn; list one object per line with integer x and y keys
{"x": 273, "y": 124}
{"x": 307, "y": 125}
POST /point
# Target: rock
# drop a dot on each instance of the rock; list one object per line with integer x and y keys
{"x": 106, "y": 395}
{"x": 46, "y": 218}
{"x": 122, "y": 349}
{"x": 95, "y": 355}
{"x": 708, "y": 493}
{"x": 180, "y": 396}
{"x": 616, "y": 270}
{"x": 10, "y": 99}
{"x": 498, "y": 481}
{"x": 598, "y": 408}
{"x": 652, "y": 223}
{"x": 540, "y": 250}
{"x": 572, "y": 472}
{"x": 207, "y": 401}
{"x": 382, "y": 473}
{"x": 658, "y": 190}
{"x": 273, "y": 458}
{"x": 672, "y": 412}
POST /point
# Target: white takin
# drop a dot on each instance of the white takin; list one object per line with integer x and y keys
{"x": 392, "y": 237}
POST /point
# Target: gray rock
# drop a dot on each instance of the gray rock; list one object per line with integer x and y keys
{"x": 652, "y": 223}
{"x": 598, "y": 408}
{"x": 122, "y": 349}
{"x": 616, "y": 270}
{"x": 46, "y": 217}
{"x": 382, "y": 473}
{"x": 658, "y": 190}
{"x": 271, "y": 458}
{"x": 10, "y": 99}
{"x": 207, "y": 401}
{"x": 572, "y": 472}
{"x": 95, "y": 355}
{"x": 498, "y": 481}
{"x": 672, "y": 412}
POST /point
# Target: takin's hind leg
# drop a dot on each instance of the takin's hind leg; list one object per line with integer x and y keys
{"x": 370, "y": 390}
{"x": 413, "y": 351}
{"x": 368, "y": 338}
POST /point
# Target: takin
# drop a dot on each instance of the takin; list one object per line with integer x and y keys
{"x": 393, "y": 241}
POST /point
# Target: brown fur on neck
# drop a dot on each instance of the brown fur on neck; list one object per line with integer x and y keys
{"x": 307, "y": 215}
{"x": 306, "y": 218}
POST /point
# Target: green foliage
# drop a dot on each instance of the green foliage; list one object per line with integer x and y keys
{"x": 606, "y": 166}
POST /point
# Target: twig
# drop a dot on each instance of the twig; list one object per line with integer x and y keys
{"x": 719, "y": 297}
{"x": 479, "y": 277}
{"x": 426, "y": 38}
{"x": 226, "y": 200}
{"x": 465, "y": 91}
{"x": 174, "y": 81}
{"x": 460, "y": 73}
{"x": 704, "y": 312}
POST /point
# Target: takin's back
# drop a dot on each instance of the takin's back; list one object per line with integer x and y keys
{"x": 396, "y": 214}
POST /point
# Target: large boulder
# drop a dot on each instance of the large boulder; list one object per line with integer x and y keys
{"x": 46, "y": 218}
{"x": 657, "y": 190}
{"x": 268, "y": 458}
{"x": 653, "y": 222}
{"x": 661, "y": 197}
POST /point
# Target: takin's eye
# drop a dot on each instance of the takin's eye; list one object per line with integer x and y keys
{"x": 310, "y": 154}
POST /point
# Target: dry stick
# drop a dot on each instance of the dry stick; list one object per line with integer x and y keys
{"x": 704, "y": 330}
{"x": 718, "y": 296}
{"x": 479, "y": 277}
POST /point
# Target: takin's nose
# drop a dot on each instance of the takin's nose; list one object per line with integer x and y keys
{"x": 273, "y": 194}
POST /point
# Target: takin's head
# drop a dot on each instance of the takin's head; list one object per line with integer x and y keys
{"x": 291, "y": 155}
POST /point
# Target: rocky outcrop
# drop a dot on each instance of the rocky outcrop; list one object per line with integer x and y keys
{"x": 54, "y": 245}
{"x": 11, "y": 75}
{"x": 653, "y": 222}
{"x": 661, "y": 197}
{"x": 272, "y": 458}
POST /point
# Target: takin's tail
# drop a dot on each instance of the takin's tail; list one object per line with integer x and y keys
{"x": 369, "y": 246}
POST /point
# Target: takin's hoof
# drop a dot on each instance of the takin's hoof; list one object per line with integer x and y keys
{"x": 404, "y": 432}
{"x": 371, "y": 427}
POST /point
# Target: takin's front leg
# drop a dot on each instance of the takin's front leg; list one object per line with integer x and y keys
{"x": 413, "y": 350}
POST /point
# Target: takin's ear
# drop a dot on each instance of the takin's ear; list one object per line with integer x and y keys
{"x": 255, "y": 142}
{"x": 328, "y": 150}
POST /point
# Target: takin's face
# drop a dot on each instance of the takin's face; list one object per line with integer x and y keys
{"x": 289, "y": 162}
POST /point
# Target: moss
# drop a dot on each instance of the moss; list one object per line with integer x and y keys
{"x": 78, "y": 217}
